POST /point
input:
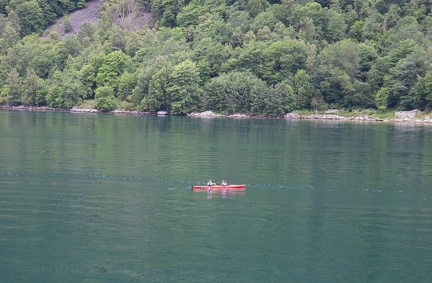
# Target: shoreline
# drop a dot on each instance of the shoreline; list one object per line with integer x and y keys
{"x": 211, "y": 114}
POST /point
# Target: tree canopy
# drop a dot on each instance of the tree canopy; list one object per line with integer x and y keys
{"x": 262, "y": 57}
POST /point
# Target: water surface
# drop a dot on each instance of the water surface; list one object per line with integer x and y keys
{"x": 107, "y": 198}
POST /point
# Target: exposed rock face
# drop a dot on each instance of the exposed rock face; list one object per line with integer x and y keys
{"x": 202, "y": 114}
{"x": 84, "y": 110}
{"x": 90, "y": 14}
{"x": 323, "y": 117}
{"x": 292, "y": 116}
{"x": 407, "y": 114}
{"x": 341, "y": 118}
{"x": 210, "y": 114}
{"x": 238, "y": 115}
{"x": 32, "y": 108}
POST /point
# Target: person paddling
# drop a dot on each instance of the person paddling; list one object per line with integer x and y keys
{"x": 210, "y": 183}
{"x": 223, "y": 183}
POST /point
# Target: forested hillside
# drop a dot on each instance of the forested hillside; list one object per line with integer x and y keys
{"x": 259, "y": 57}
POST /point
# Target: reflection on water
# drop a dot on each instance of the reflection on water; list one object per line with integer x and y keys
{"x": 223, "y": 193}
{"x": 103, "y": 198}
{"x": 213, "y": 192}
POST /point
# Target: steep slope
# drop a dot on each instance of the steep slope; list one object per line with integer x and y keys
{"x": 90, "y": 14}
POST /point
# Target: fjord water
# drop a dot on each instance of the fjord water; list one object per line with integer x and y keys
{"x": 107, "y": 198}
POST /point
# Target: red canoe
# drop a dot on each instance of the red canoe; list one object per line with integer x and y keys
{"x": 219, "y": 187}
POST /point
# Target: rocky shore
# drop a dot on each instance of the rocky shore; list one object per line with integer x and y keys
{"x": 211, "y": 114}
{"x": 295, "y": 116}
{"x": 361, "y": 118}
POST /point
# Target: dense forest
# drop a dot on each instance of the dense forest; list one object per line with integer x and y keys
{"x": 261, "y": 57}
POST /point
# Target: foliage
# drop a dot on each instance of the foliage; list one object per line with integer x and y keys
{"x": 339, "y": 75}
{"x": 382, "y": 98}
{"x": 158, "y": 97}
{"x": 264, "y": 57}
{"x": 235, "y": 92}
{"x": 12, "y": 90}
{"x": 281, "y": 60}
{"x": 423, "y": 92}
{"x": 64, "y": 89}
{"x": 184, "y": 88}
{"x": 104, "y": 99}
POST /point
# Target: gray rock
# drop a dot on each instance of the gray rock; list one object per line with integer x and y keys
{"x": 292, "y": 116}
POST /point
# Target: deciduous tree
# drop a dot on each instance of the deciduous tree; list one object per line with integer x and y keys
{"x": 104, "y": 99}
{"x": 184, "y": 89}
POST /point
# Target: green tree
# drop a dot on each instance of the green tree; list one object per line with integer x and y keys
{"x": 49, "y": 9}
{"x": 3, "y": 5}
{"x": 184, "y": 89}
{"x": 213, "y": 26}
{"x": 281, "y": 60}
{"x": 382, "y": 98}
{"x": 113, "y": 65}
{"x": 67, "y": 25}
{"x": 11, "y": 91}
{"x": 87, "y": 77}
{"x": 303, "y": 90}
{"x": 104, "y": 99}
{"x": 87, "y": 33}
{"x": 58, "y": 55}
{"x": 189, "y": 15}
{"x": 144, "y": 77}
{"x": 118, "y": 39}
{"x": 378, "y": 72}
{"x": 236, "y": 39}
{"x": 30, "y": 88}
{"x": 10, "y": 36}
{"x": 288, "y": 11}
{"x": 269, "y": 100}
{"x": 209, "y": 52}
{"x": 264, "y": 19}
{"x": 41, "y": 93}
{"x": 392, "y": 16}
{"x": 14, "y": 20}
{"x": 64, "y": 89}
{"x": 307, "y": 30}
{"x": 238, "y": 18}
{"x": 313, "y": 11}
{"x": 335, "y": 28}
{"x": 403, "y": 77}
{"x": 257, "y": 6}
{"x": 373, "y": 27}
{"x": 368, "y": 56}
{"x": 126, "y": 85}
{"x": 235, "y": 92}
{"x": 142, "y": 86}
{"x": 30, "y": 17}
{"x": 72, "y": 45}
{"x": 356, "y": 30}
{"x": 133, "y": 43}
{"x": 423, "y": 92}
{"x": 338, "y": 73}
{"x": 249, "y": 58}
{"x": 158, "y": 97}
{"x": 407, "y": 28}
{"x": 166, "y": 11}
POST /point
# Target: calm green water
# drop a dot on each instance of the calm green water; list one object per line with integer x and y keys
{"x": 107, "y": 198}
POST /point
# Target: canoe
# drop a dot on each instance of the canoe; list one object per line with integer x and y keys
{"x": 219, "y": 187}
